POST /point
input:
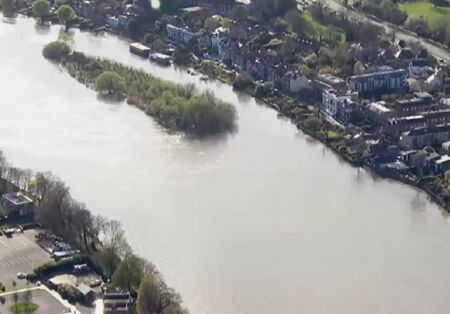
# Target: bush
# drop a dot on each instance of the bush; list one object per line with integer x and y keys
{"x": 110, "y": 83}
{"x": 243, "y": 81}
{"x": 56, "y": 50}
{"x": 70, "y": 293}
{"x": 52, "y": 267}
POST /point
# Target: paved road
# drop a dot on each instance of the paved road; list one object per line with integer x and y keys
{"x": 435, "y": 50}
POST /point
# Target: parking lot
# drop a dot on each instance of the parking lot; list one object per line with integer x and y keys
{"x": 20, "y": 253}
{"x": 47, "y": 303}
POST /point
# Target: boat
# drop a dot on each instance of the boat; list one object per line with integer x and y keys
{"x": 204, "y": 78}
{"x": 161, "y": 58}
{"x": 139, "y": 49}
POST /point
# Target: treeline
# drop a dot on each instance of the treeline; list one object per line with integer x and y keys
{"x": 389, "y": 10}
{"x": 385, "y": 9}
{"x": 103, "y": 240}
{"x": 175, "y": 106}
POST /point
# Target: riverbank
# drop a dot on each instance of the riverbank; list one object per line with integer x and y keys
{"x": 97, "y": 241}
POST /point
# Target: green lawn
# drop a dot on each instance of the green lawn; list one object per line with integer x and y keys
{"x": 315, "y": 29}
{"x": 425, "y": 9}
{"x": 20, "y": 308}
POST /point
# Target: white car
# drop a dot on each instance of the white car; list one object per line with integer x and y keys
{"x": 21, "y": 275}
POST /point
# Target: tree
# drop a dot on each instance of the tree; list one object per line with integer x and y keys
{"x": 7, "y": 7}
{"x": 283, "y": 6}
{"x": 111, "y": 83}
{"x": 239, "y": 13}
{"x": 41, "y": 8}
{"x": 435, "y": 3}
{"x": 312, "y": 124}
{"x": 65, "y": 15}
{"x": 174, "y": 309}
{"x": 149, "y": 295}
{"x": 56, "y": 50}
{"x": 129, "y": 273}
{"x": 297, "y": 21}
{"x": 15, "y": 295}
{"x": 211, "y": 23}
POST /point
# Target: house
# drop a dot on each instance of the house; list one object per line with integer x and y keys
{"x": 442, "y": 164}
{"x": 182, "y": 35}
{"x": 87, "y": 293}
{"x": 396, "y": 126}
{"x": 439, "y": 80}
{"x": 117, "y": 303}
{"x": 379, "y": 113}
{"x": 223, "y": 7}
{"x": 294, "y": 82}
{"x": 424, "y": 136}
{"x": 220, "y": 44}
{"x": 339, "y": 105}
{"x": 384, "y": 81}
{"x": 404, "y": 54}
{"x": 409, "y": 107}
{"x": 420, "y": 68}
{"x": 197, "y": 15}
{"x": 18, "y": 204}
{"x": 327, "y": 81}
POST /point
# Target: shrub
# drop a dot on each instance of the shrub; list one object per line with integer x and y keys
{"x": 56, "y": 50}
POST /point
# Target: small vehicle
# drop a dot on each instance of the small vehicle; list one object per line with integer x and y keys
{"x": 21, "y": 275}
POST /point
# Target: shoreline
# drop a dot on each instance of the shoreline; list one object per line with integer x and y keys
{"x": 356, "y": 163}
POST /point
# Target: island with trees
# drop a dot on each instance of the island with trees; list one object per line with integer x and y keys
{"x": 175, "y": 106}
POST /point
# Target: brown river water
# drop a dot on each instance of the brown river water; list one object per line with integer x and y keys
{"x": 262, "y": 221}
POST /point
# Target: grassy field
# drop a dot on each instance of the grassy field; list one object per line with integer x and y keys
{"x": 314, "y": 29}
{"x": 425, "y": 9}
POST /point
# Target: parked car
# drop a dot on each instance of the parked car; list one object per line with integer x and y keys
{"x": 21, "y": 275}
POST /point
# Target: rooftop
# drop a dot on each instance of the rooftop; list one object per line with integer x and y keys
{"x": 444, "y": 158}
{"x": 380, "y": 73}
{"x": 17, "y": 198}
{"x": 379, "y": 107}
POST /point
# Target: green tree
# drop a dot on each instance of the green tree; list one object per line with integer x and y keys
{"x": 283, "y": 6}
{"x": 65, "y": 14}
{"x": 111, "y": 83}
{"x": 7, "y": 7}
{"x": 174, "y": 309}
{"x": 56, "y": 50}
{"x": 149, "y": 295}
{"x": 41, "y": 8}
{"x": 129, "y": 273}
{"x": 239, "y": 13}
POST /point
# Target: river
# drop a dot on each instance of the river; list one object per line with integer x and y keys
{"x": 263, "y": 221}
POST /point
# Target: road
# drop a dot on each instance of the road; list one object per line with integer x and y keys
{"x": 435, "y": 50}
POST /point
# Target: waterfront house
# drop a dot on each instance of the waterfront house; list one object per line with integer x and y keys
{"x": 442, "y": 164}
{"x": 424, "y": 136}
{"x": 339, "y": 105}
{"x": 379, "y": 82}
{"x": 294, "y": 82}
{"x": 182, "y": 35}
{"x": 17, "y": 204}
{"x": 117, "y": 303}
{"x": 220, "y": 44}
